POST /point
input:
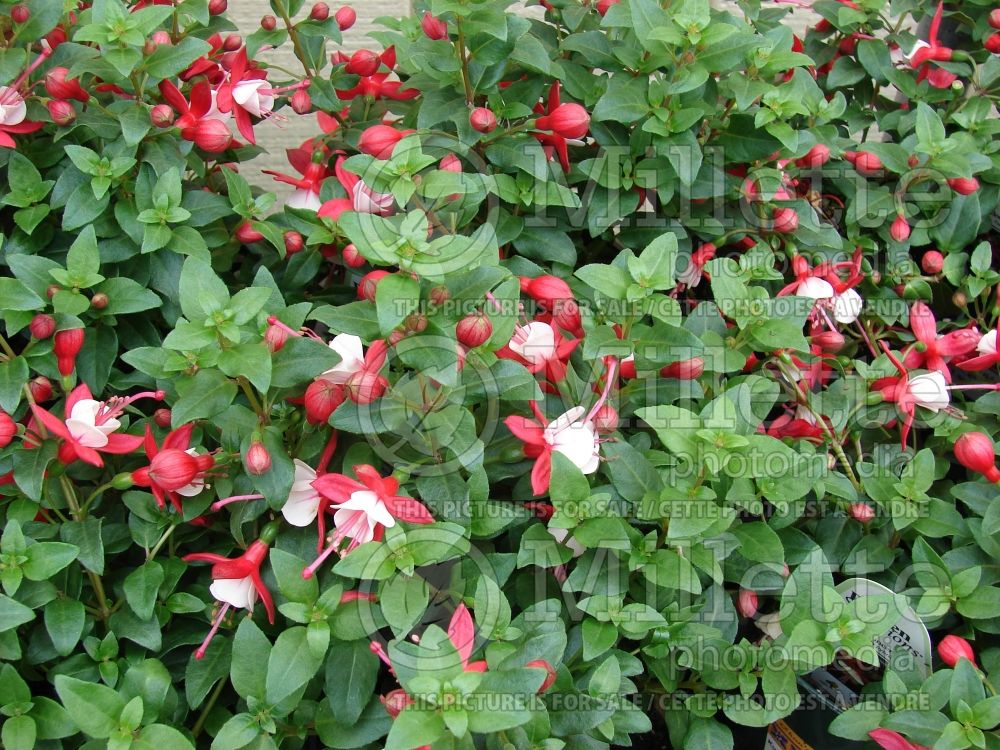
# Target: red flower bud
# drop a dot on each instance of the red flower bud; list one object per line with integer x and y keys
{"x": 994, "y": 18}
{"x": 932, "y": 262}
{"x": 830, "y": 342}
{"x": 415, "y": 322}
{"x": 42, "y": 326}
{"x": 862, "y": 512}
{"x": 864, "y": 162}
{"x": 363, "y": 387}
{"x": 379, "y": 141}
{"x": 321, "y": 398}
{"x": 550, "y": 673}
{"x": 99, "y": 301}
{"x": 246, "y": 233}
{"x": 953, "y": 647}
{"x": 603, "y": 6}
{"x": 568, "y": 120}
{"x": 66, "y": 347}
{"x": 747, "y": 602}
{"x": 162, "y": 116}
{"x": 61, "y": 111}
{"x": 212, "y": 136}
{"x": 395, "y": 701}
{"x": 816, "y": 157}
{"x": 352, "y": 258}
{"x": 450, "y": 163}
{"x": 363, "y": 63}
{"x": 964, "y": 185}
{"x": 786, "y": 221}
{"x": 232, "y": 42}
{"x": 974, "y": 450}
{"x": 434, "y": 28}
{"x": 689, "y": 369}
{"x": 900, "y": 229}
{"x": 912, "y": 161}
{"x": 320, "y": 12}
{"x": 368, "y": 284}
{"x": 59, "y": 87}
{"x": 20, "y": 14}
{"x": 345, "y": 17}
{"x": 546, "y": 289}
{"x": 474, "y": 330}
{"x": 171, "y": 469}
{"x": 293, "y": 242}
{"x": 8, "y": 429}
{"x": 275, "y": 337}
{"x": 268, "y": 23}
{"x": 992, "y": 44}
{"x": 258, "y": 460}
{"x": 606, "y": 419}
{"x": 301, "y": 102}
{"x": 439, "y": 295}
{"x": 161, "y": 37}
{"x": 162, "y": 417}
{"x": 41, "y": 389}
{"x": 483, "y": 120}
{"x": 217, "y": 7}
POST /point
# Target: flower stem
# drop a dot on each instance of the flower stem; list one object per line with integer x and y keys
{"x": 464, "y": 59}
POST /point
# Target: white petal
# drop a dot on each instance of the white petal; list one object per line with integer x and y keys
{"x": 988, "y": 343}
{"x": 536, "y": 342}
{"x": 14, "y": 110}
{"x": 930, "y": 391}
{"x": 814, "y": 288}
{"x": 304, "y": 199}
{"x": 847, "y": 306}
{"x": 86, "y": 434}
{"x": 578, "y": 443}
{"x": 352, "y": 358}
{"x": 302, "y": 505}
{"x": 239, "y": 592}
{"x": 348, "y": 518}
{"x": 560, "y": 535}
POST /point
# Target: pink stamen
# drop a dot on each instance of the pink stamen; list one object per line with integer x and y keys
{"x": 379, "y": 651}
{"x": 116, "y": 405}
{"x": 494, "y": 301}
{"x": 303, "y": 84}
{"x": 46, "y": 51}
{"x": 220, "y": 504}
{"x": 608, "y": 384}
{"x": 200, "y": 653}
{"x": 975, "y": 387}
{"x": 310, "y": 571}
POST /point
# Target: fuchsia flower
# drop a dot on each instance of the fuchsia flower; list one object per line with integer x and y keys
{"x": 237, "y": 582}
{"x": 568, "y": 434}
{"x": 928, "y": 390}
{"x": 13, "y": 110}
{"x": 923, "y": 53}
{"x": 363, "y": 509}
{"x": 364, "y": 200}
{"x": 541, "y": 348}
{"x": 200, "y": 120}
{"x": 890, "y": 740}
{"x": 175, "y": 469}
{"x": 377, "y": 86}
{"x": 932, "y": 351}
{"x": 565, "y": 121}
{"x": 90, "y": 427}
{"x": 988, "y": 355}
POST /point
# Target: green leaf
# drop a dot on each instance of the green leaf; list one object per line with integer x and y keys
{"x": 13, "y": 614}
{"x": 170, "y": 59}
{"x": 86, "y": 536}
{"x": 625, "y": 99}
{"x": 206, "y": 395}
{"x": 159, "y": 737}
{"x": 45, "y": 559}
{"x": 396, "y": 296}
{"x": 413, "y": 728}
{"x": 29, "y": 469}
{"x": 251, "y": 653}
{"x": 608, "y": 280}
{"x": 127, "y": 296}
{"x": 19, "y": 733}
{"x": 288, "y": 572}
{"x": 300, "y": 360}
{"x": 351, "y": 674}
{"x": 290, "y": 666}
{"x": 202, "y": 293}
{"x": 14, "y": 375}
{"x": 251, "y": 360}
{"x": 201, "y": 675}
{"x": 17, "y": 296}
{"x": 141, "y": 587}
{"x": 759, "y": 543}
{"x": 95, "y": 708}
{"x": 403, "y": 600}
{"x": 64, "y": 621}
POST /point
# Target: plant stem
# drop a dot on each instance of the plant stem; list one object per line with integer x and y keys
{"x": 464, "y": 59}
{"x": 293, "y": 34}
{"x": 161, "y": 541}
{"x": 95, "y": 580}
{"x": 200, "y": 724}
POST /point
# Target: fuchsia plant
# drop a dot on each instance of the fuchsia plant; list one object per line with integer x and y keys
{"x": 581, "y": 358}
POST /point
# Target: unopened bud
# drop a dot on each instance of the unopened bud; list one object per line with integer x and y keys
{"x": 268, "y": 23}
{"x": 258, "y": 460}
{"x": 162, "y": 417}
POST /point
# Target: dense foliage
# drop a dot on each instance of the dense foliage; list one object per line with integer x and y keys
{"x": 591, "y": 350}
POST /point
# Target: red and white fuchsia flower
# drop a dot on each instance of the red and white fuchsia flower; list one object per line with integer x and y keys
{"x": 988, "y": 354}
{"x": 362, "y": 509}
{"x": 928, "y": 390}
{"x": 237, "y": 582}
{"x": 175, "y": 470}
{"x": 565, "y": 121}
{"x": 91, "y": 427}
{"x": 934, "y": 351}
{"x": 569, "y": 434}
{"x": 540, "y": 348}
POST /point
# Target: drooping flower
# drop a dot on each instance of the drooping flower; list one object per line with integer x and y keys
{"x": 237, "y": 582}
{"x": 364, "y": 200}
{"x": 572, "y": 123}
{"x": 988, "y": 354}
{"x": 90, "y": 426}
{"x": 175, "y": 470}
{"x": 200, "y": 119}
{"x": 540, "y": 348}
{"x": 952, "y": 648}
{"x": 932, "y": 351}
{"x": 304, "y": 501}
{"x": 363, "y": 509}
{"x": 975, "y": 451}
{"x": 923, "y": 53}
{"x": 568, "y": 434}
{"x": 376, "y": 85}
{"x": 928, "y": 390}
